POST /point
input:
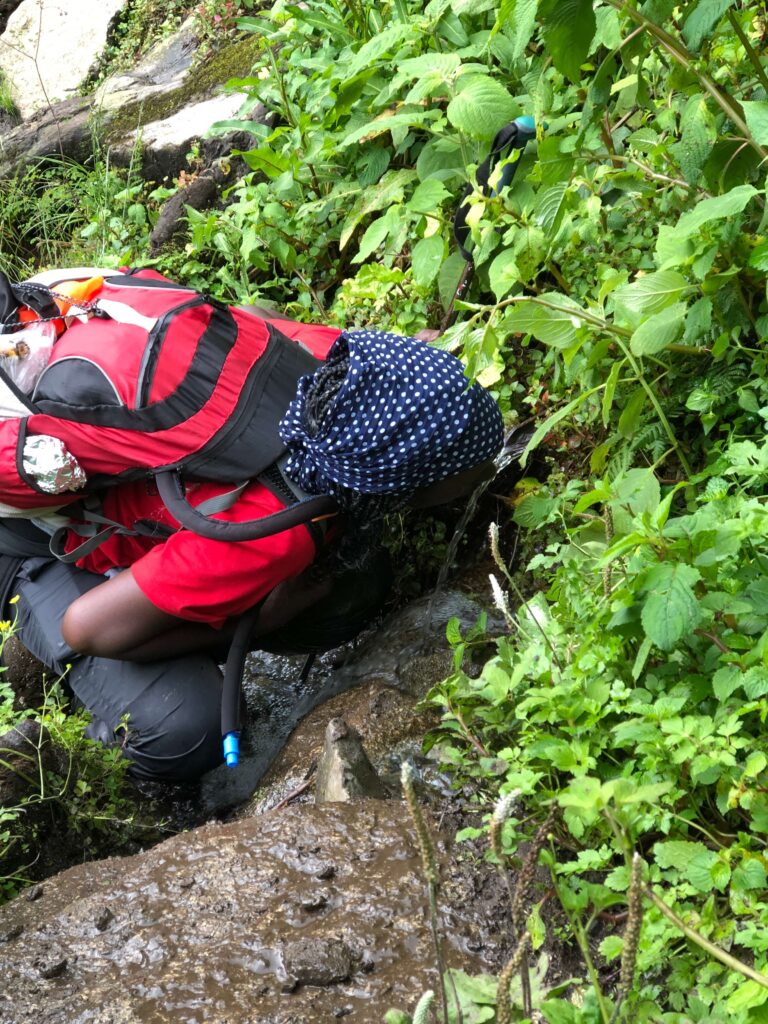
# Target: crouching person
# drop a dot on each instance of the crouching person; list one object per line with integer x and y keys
{"x": 141, "y": 623}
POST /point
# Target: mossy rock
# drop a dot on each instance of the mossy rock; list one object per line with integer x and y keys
{"x": 231, "y": 62}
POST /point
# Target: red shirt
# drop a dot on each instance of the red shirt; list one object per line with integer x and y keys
{"x": 191, "y": 577}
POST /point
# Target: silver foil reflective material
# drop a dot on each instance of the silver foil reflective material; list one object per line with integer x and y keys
{"x": 53, "y": 468}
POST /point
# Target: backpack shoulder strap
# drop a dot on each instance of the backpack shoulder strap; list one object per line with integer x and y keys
{"x": 171, "y": 490}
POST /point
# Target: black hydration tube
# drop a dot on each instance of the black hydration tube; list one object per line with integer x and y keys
{"x": 230, "y": 695}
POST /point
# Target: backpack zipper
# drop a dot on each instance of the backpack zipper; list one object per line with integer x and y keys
{"x": 152, "y": 351}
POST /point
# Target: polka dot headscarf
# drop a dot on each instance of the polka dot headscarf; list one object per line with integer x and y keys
{"x": 403, "y": 417}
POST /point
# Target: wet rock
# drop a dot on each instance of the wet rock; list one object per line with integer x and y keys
{"x": 166, "y": 99}
{"x": 344, "y": 771}
{"x": 236, "y": 937}
{"x": 24, "y": 672}
{"x": 7, "y": 7}
{"x": 19, "y": 764}
{"x": 317, "y": 961}
{"x": 52, "y": 965}
{"x": 10, "y": 932}
{"x": 389, "y": 673}
{"x": 164, "y": 69}
{"x": 315, "y": 900}
{"x": 103, "y": 918}
{"x": 48, "y": 48}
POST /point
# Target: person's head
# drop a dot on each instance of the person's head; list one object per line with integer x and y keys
{"x": 390, "y": 421}
{"x": 387, "y": 415}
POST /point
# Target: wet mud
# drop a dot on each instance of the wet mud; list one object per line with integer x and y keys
{"x": 307, "y": 914}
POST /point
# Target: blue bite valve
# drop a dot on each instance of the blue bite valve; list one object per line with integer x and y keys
{"x": 232, "y": 749}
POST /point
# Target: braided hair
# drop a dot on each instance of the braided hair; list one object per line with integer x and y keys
{"x": 363, "y": 514}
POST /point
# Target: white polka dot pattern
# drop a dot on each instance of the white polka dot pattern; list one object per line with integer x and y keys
{"x": 403, "y": 418}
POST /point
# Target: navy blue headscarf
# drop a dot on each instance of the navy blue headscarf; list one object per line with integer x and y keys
{"x": 403, "y": 417}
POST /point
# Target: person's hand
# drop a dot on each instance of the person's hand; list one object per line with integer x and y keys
{"x": 427, "y": 334}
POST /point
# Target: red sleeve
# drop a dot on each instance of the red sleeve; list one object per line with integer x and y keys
{"x": 210, "y": 581}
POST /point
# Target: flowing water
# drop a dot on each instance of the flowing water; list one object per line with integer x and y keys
{"x": 514, "y": 446}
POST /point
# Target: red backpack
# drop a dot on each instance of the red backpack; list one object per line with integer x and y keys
{"x": 160, "y": 381}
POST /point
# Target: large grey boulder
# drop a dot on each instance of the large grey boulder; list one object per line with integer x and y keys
{"x": 304, "y": 915}
{"x": 165, "y": 104}
{"x": 49, "y": 46}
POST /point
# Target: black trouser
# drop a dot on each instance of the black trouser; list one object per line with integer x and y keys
{"x": 166, "y": 715}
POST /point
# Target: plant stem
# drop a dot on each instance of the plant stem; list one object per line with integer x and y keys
{"x": 705, "y": 944}
{"x": 656, "y": 406}
{"x": 748, "y": 49}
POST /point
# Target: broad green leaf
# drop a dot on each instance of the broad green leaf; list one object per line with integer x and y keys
{"x": 441, "y": 158}
{"x": 702, "y": 19}
{"x": 726, "y": 681}
{"x": 267, "y": 161}
{"x": 630, "y": 414}
{"x": 389, "y": 122}
{"x": 637, "y": 491}
{"x": 698, "y": 321}
{"x": 533, "y": 511}
{"x": 478, "y": 988}
{"x": 746, "y": 996}
{"x": 426, "y": 258}
{"x": 560, "y": 1011}
{"x": 677, "y": 853}
{"x": 428, "y": 196}
{"x": 759, "y": 256}
{"x": 449, "y": 276}
{"x": 503, "y": 273}
{"x": 522, "y": 14}
{"x": 651, "y": 293}
{"x": 376, "y": 232}
{"x": 714, "y": 208}
{"x": 374, "y": 165}
{"x": 549, "y": 207}
{"x": 611, "y": 947}
{"x": 567, "y": 30}
{"x": 555, "y": 325}
{"x": 750, "y": 874}
{"x": 383, "y": 195}
{"x": 700, "y": 870}
{"x": 385, "y": 42}
{"x": 555, "y": 164}
{"x": 481, "y": 107}
{"x": 659, "y": 331}
{"x": 439, "y": 64}
{"x": 756, "y": 113}
{"x": 698, "y": 135}
{"x": 755, "y": 682}
{"x": 671, "y": 610}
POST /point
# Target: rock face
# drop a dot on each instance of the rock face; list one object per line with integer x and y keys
{"x": 394, "y": 668}
{"x": 49, "y": 46}
{"x": 303, "y": 915}
{"x": 344, "y": 772}
{"x": 165, "y": 104}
